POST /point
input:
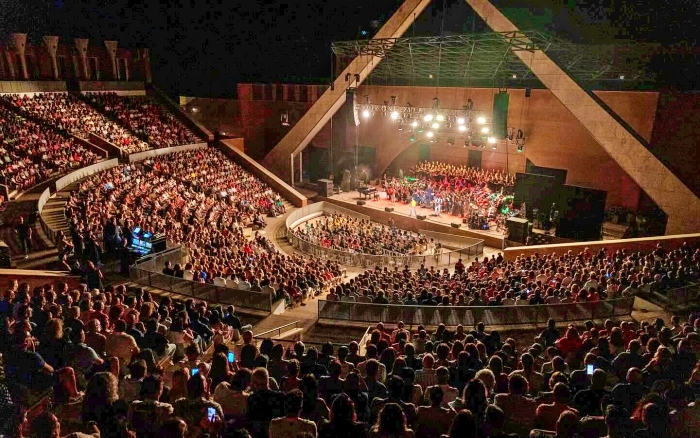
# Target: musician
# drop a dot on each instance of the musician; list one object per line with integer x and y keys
{"x": 390, "y": 193}
{"x": 412, "y": 210}
{"x": 438, "y": 205}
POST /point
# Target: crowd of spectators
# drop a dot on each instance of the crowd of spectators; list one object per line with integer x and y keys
{"x": 32, "y": 152}
{"x": 123, "y": 365}
{"x": 144, "y": 117}
{"x": 354, "y": 235}
{"x": 68, "y": 112}
{"x": 198, "y": 199}
{"x": 537, "y": 279}
{"x": 459, "y": 190}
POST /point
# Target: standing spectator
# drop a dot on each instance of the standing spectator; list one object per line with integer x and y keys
{"x": 24, "y": 234}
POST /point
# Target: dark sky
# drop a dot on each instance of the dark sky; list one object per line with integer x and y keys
{"x": 204, "y": 47}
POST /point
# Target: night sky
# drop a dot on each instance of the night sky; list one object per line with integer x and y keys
{"x": 205, "y": 47}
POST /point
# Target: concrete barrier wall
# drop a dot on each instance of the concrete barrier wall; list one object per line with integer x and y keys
{"x": 112, "y": 149}
{"x": 37, "y": 278}
{"x": 230, "y": 148}
{"x": 640, "y": 244}
{"x": 152, "y": 153}
{"x": 415, "y": 225}
{"x": 85, "y": 172}
{"x": 302, "y": 215}
{"x": 32, "y": 87}
{"x": 43, "y": 199}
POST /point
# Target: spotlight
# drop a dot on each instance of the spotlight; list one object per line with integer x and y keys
{"x": 515, "y": 76}
{"x": 492, "y": 140}
{"x": 400, "y": 127}
{"x": 414, "y": 124}
{"x": 429, "y": 134}
{"x": 428, "y": 117}
{"x": 622, "y": 77}
{"x": 460, "y": 121}
{"x": 394, "y": 115}
{"x": 481, "y": 120}
{"x": 440, "y": 118}
{"x": 435, "y": 125}
{"x": 413, "y": 138}
{"x": 365, "y": 114}
{"x": 520, "y": 148}
{"x": 462, "y": 128}
{"x": 484, "y": 130}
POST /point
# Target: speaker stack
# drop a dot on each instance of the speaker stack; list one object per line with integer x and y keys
{"x": 389, "y": 209}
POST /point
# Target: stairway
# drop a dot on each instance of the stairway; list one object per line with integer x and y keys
{"x": 613, "y": 231}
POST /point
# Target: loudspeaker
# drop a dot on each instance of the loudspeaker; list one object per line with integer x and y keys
{"x": 353, "y": 115}
{"x": 454, "y": 225}
{"x": 361, "y": 203}
{"x": 517, "y": 229}
{"x": 465, "y": 221}
{"x": 420, "y": 217}
{"x": 528, "y": 92}
{"x": 325, "y": 188}
{"x": 389, "y": 209}
{"x": 500, "y": 115}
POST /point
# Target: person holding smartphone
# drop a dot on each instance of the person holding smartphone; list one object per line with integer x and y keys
{"x": 195, "y": 408}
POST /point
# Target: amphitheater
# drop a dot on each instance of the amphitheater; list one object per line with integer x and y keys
{"x": 515, "y": 258}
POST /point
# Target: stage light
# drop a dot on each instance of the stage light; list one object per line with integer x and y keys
{"x": 413, "y": 138}
{"x": 462, "y": 128}
{"x": 520, "y": 148}
{"x": 435, "y": 125}
{"x": 485, "y": 130}
{"x": 460, "y": 121}
{"x": 492, "y": 140}
{"x": 365, "y": 114}
{"x": 428, "y": 117}
{"x": 430, "y": 134}
{"x": 400, "y": 127}
{"x": 440, "y": 118}
{"x": 481, "y": 120}
{"x": 394, "y": 115}
{"x": 622, "y": 77}
{"x": 515, "y": 76}
{"x": 414, "y": 124}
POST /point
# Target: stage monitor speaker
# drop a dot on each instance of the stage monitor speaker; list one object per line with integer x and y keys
{"x": 325, "y": 188}
{"x": 389, "y": 209}
{"x": 499, "y": 124}
{"x": 465, "y": 221}
{"x": 361, "y": 202}
{"x": 420, "y": 217}
{"x": 517, "y": 229}
{"x": 454, "y": 225}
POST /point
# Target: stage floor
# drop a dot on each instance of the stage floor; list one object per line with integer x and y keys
{"x": 402, "y": 209}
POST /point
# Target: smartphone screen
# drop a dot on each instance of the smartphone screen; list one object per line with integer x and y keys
{"x": 195, "y": 371}
{"x": 589, "y": 369}
{"x": 231, "y": 357}
{"x": 210, "y": 413}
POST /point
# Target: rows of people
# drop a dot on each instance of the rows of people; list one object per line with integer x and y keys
{"x": 144, "y": 117}
{"x": 32, "y": 152}
{"x": 586, "y": 276}
{"x": 198, "y": 199}
{"x": 345, "y": 233}
{"x": 458, "y": 190}
{"x": 101, "y": 352}
{"x": 70, "y": 113}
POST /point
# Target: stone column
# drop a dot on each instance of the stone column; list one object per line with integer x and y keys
{"x": 146, "y": 67}
{"x": 52, "y": 46}
{"x": 19, "y": 40}
{"x": 112, "y": 51}
{"x": 10, "y": 64}
{"x": 81, "y": 44}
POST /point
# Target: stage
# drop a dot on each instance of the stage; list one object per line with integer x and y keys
{"x": 443, "y": 223}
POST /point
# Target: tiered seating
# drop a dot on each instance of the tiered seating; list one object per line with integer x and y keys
{"x": 71, "y": 114}
{"x": 146, "y": 118}
{"x": 32, "y": 153}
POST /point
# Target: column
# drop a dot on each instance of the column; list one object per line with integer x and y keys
{"x": 51, "y": 43}
{"x": 146, "y": 67}
{"x": 19, "y": 40}
{"x": 112, "y": 51}
{"x": 81, "y": 44}
{"x": 301, "y": 168}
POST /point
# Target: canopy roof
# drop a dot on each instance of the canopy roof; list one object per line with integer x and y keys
{"x": 486, "y": 60}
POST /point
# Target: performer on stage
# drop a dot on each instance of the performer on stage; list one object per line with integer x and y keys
{"x": 412, "y": 210}
{"x": 438, "y": 205}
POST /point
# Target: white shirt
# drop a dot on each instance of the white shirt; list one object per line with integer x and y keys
{"x": 219, "y": 281}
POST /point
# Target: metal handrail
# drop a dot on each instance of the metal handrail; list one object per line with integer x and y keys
{"x": 278, "y": 329}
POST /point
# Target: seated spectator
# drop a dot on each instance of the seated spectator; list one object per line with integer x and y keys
{"x": 291, "y": 424}
{"x": 148, "y": 414}
{"x": 130, "y": 387}
{"x": 548, "y": 414}
{"x": 233, "y": 395}
{"x": 463, "y": 425}
{"x": 391, "y": 422}
{"x": 588, "y": 401}
{"x": 193, "y": 408}
{"x": 264, "y": 404}
{"x": 520, "y": 410}
{"x": 23, "y": 366}
{"x": 450, "y": 394}
{"x": 121, "y": 345}
{"x": 433, "y": 420}
{"x": 343, "y": 422}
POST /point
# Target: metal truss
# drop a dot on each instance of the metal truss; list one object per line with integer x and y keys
{"x": 487, "y": 59}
